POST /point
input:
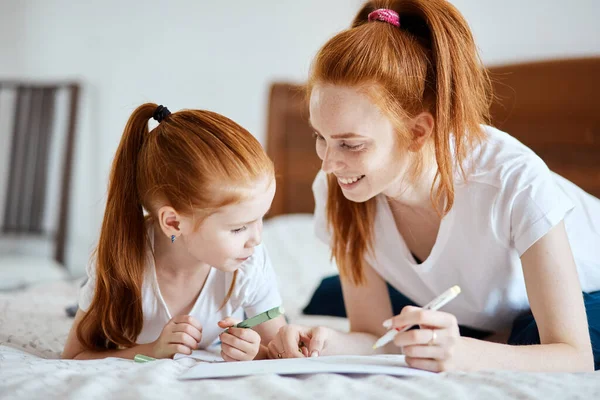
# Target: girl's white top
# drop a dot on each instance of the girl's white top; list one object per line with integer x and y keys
{"x": 255, "y": 291}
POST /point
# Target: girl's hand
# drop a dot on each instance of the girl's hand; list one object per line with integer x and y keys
{"x": 238, "y": 344}
{"x": 293, "y": 341}
{"x": 434, "y": 347}
{"x": 181, "y": 334}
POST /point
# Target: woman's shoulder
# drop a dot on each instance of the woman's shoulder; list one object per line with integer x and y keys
{"x": 501, "y": 159}
{"x": 320, "y": 191}
{"x": 319, "y": 185}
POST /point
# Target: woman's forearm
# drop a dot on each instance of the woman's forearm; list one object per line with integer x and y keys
{"x": 357, "y": 343}
{"x": 481, "y": 355}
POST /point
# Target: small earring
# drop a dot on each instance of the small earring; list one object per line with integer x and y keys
{"x": 172, "y": 238}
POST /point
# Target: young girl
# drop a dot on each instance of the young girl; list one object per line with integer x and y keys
{"x": 173, "y": 281}
{"x": 416, "y": 192}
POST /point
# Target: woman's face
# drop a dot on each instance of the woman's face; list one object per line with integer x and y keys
{"x": 357, "y": 142}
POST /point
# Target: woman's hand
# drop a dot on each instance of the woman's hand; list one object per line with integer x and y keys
{"x": 294, "y": 341}
{"x": 434, "y": 347}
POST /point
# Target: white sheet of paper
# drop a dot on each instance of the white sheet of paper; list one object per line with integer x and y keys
{"x": 379, "y": 364}
{"x": 201, "y": 355}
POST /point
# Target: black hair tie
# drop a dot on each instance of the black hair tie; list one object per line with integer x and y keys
{"x": 161, "y": 113}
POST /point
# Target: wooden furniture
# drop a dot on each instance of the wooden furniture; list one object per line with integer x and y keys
{"x": 553, "y": 107}
{"x": 28, "y": 138}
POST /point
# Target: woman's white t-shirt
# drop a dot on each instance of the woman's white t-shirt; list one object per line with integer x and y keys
{"x": 509, "y": 200}
{"x": 255, "y": 291}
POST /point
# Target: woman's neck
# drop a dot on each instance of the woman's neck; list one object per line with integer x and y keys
{"x": 414, "y": 191}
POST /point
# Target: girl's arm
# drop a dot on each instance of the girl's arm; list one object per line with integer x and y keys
{"x": 181, "y": 334}
{"x": 74, "y": 349}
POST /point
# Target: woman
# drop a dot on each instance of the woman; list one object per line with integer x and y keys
{"x": 417, "y": 192}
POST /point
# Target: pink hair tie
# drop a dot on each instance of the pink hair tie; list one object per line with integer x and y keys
{"x": 385, "y": 15}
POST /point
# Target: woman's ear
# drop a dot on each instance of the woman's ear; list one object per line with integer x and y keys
{"x": 421, "y": 129}
{"x": 169, "y": 221}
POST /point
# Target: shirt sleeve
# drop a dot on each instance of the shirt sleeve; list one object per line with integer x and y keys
{"x": 86, "y": 292}
{"x": 536, "y": 201}
{"x": 260, "y": 291}
{"x": 320, "y": 192}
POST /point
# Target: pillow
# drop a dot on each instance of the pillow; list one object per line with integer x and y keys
{"x": 19, "y": 271}
{"x": 299, "y": 258}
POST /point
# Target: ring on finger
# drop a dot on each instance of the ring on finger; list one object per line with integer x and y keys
{"x": 433, "y": 337}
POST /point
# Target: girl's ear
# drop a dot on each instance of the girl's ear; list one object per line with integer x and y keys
{"x": 169, "y": 221}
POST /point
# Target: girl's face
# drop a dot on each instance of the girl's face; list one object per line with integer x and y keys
{"x": 357, "y": 143}
{"x": 227, "y": 238}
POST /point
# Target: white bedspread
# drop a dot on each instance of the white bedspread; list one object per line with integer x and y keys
{"x": 33, "y": 328}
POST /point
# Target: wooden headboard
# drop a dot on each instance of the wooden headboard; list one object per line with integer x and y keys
{"x": 552, "y": 106}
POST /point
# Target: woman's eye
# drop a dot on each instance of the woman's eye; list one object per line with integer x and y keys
{"x": 352, "y": 147}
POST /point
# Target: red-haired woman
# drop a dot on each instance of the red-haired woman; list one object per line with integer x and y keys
{"x": 417, "y": 192}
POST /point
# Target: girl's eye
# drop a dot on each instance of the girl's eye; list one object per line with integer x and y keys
{"x": 242, "y": 229}
{"x": 317, "y": 136}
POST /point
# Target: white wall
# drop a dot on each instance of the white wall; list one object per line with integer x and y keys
{"x": 222, "y": 56}
{"x": 517, "y": 30}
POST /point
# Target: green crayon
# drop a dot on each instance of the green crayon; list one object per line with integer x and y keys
{"x": 260, "y": 318}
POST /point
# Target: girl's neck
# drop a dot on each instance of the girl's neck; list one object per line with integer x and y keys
{"x": 173, "y": 258}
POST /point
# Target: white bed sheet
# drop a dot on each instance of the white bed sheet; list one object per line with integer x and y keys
{"x": 33, "y": 329}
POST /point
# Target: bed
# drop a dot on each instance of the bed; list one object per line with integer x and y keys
{"x": 551, "y": 106}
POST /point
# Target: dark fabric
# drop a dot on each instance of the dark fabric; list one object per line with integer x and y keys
{"x": 524, "y": 330}
{"x": 328, "y": 300}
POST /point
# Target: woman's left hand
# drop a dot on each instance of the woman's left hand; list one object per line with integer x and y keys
{"x": 434, "y": 347}
{"x": 238, "y": 344}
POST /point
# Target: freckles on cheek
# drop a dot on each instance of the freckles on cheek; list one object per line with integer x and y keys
{"x": 367, "y": 164}
{"x": 382, "y": 160}
{"x": 376, "y": 168}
